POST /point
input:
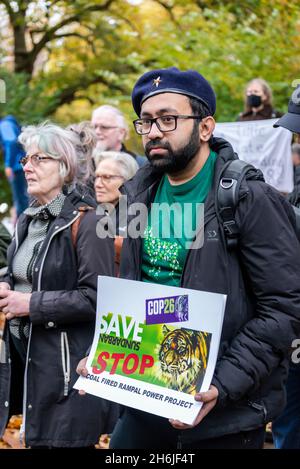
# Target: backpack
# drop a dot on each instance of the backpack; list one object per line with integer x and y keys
{"x": 75, "y": 225}
{"x": 117, "y": 242}
{"x": 230, "y": 181}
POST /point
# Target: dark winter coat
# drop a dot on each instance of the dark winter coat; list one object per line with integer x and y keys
{"x": 141, "y": 160}
{"x": 294, "y": 197}
{"x": 62, "y": 316}
{"x": 267, "y": 112}
{"x": 262, "y": 282}
{"x": 5, "y": 239}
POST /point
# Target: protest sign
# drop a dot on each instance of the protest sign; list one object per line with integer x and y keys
{"x": 265, "y": 147}
{"x": 154, "y": 346}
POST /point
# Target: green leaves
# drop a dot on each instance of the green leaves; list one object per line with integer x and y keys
{"x": 104, "y": 45}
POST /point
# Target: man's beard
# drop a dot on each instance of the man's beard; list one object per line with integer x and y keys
{"x": 175, "y": 160}
{"x": 101, "y": 145}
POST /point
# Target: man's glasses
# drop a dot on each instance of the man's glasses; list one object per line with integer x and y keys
{"x": 164, "y": 123}
{"x": 105, "y": 128}
{"x": 35, "y": 160}
{"x": 107, "y": 178}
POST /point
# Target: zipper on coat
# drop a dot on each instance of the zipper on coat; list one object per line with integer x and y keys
{"x": 16, "y": 239}
{"x": 260, "y": 407}
{"x": 65, "y": 360}
{"x": 22, "y": 429}
{"x": 179, "y": 442}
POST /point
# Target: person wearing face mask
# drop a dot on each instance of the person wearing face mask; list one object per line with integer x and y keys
{"x": 258, "y": 102}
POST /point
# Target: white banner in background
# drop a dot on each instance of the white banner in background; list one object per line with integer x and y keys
{"x": 264, "y": 146}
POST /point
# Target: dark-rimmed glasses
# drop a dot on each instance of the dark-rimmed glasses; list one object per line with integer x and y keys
{"x": 34, "y": 159}
{"x": 166, "y": 123}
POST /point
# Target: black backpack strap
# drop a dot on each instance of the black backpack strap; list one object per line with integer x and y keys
{"x": 227, "y": 198}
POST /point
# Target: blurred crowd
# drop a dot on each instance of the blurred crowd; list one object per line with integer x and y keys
{"x": 50, "y": 256}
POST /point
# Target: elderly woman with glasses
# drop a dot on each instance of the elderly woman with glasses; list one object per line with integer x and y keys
{"x": 49, "y": 299}
{"x": 112, "y": 170}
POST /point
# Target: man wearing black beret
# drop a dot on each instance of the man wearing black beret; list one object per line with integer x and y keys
{"x": 261, "y": 277}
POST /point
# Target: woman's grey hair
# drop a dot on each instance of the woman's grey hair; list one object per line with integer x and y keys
{"x": 126, "y": 163}
{"x": 85, "y": 146}
{"x": 56, "y": 142}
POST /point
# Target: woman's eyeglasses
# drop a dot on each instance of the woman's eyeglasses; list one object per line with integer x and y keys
{"x": 107, "y": 178}
{"x": 35, "y": 160}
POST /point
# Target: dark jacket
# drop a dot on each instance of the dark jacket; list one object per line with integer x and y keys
{"x": 262, "y": 282}
{"x": 266, "y": 113}
{"x": 62, "y": 316}
{"x": 294, "y": 197}
{"x": 5, "y": 240}
{"x": 141, "y": 160}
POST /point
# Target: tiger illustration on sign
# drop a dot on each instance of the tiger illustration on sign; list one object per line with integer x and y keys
{"x": 183, "y": 356}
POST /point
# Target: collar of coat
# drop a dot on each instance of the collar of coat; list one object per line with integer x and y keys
{"x": 72, "y": 202}
{"x": 267, "y": 112}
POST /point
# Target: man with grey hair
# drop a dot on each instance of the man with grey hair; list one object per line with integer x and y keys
{"x": 112, "y": 130}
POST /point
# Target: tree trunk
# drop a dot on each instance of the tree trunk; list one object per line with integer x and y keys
{"x": 23, "y": 61}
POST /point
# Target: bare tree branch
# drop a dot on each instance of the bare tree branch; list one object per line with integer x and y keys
{"x": 49, "y": 34}
{"x": 54, "y": 2}
{"x": 87, "y": 39}
{"x": 126, "y": 20}
{"x": 67, "y": 95}
{"x": 69, "y": 35}
{"x": 169, "y": 10}
{"x": 88, "y": 98}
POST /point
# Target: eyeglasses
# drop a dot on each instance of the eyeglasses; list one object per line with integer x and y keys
{"x": 34, "y": 159}
{"x": 164, "y": 123}
{"x": 105, "y": 128}
{"x": 107, "y": 178}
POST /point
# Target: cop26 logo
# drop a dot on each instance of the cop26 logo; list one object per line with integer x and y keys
{"x": 170, "y": 309}
{"x": 2, "y": 91}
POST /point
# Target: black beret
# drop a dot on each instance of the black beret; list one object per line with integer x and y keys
{"x": 173, "y": 80}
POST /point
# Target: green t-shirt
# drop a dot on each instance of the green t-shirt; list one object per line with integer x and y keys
{"x": 172, "y": 224}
